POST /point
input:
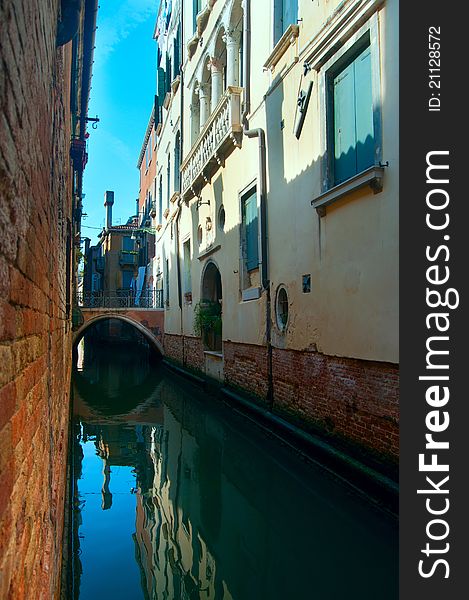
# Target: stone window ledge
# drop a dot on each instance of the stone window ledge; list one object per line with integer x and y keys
{"x": 371, "y": 177}
{"x": 175, "y": 83}
{"x": 208, "y": 251}
{"x": 282, "y": 46}
{"x": 192, "y": 45}
{"x": 202, "y": 20}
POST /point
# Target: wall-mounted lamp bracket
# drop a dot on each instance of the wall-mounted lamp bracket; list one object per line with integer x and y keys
{"x": 200, "y": 203}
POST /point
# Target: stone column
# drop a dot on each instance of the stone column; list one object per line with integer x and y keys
{"x": 195, "y": 120}
{"x": 204, "y": 100}
{"x": 216, "y": 69}
{"x": 232, "y": 38}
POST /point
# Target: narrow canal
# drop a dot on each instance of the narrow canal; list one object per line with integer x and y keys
{"x": 177, "y": 496}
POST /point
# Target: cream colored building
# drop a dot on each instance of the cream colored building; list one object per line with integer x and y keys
{"x": 282, "y": 118}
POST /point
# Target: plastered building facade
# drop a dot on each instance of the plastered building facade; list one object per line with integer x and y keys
{"x": 281, "y": 120}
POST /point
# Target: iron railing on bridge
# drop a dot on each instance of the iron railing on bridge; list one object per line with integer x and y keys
{"x": 149, "y": 298}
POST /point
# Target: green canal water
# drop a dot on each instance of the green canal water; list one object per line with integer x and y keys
{"x": 177, "y": 496}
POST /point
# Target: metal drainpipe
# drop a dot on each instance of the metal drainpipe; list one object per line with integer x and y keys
{"x": 260, "y": 135}
{"x": 181, "y": 91}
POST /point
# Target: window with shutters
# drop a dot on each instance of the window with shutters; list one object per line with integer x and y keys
{"x": 349, "y": 94}
{"x": 177, "y": 54}
{"x": 168, "y": 181}
{"x": 127, "y": 277}
{"x": 250, "y": 230}
{"x": 177, "y": 161}
{"x": 160, "y": 200}
{"x": 351, "y": 134}
{"x": 285, "y": 14}
{"x": 196, "y": 8}
{"x": 187, "y": 268}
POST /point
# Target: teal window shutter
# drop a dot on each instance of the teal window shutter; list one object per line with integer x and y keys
{"x": 177, "y": 52}
{"x": 364, "y": 112}
{"x": 344, "y": 126}
{"x": 290, "y": 13}
{"x": 127, "y": 243}
{"x": 354, "y": 142}
{"x": 251, "y": 229}
{"x": 127, "y": 277}
{"x": 161, "y": 85}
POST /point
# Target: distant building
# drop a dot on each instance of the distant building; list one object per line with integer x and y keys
{"x": 111, "y": 267}
{"x": 146, "y": 207}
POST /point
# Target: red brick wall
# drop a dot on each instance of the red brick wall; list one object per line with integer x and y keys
{"x": 187, "y": 351}
{"x": 173, "y": 348}
{"x": 245, "y": 366}
{"x": 194, "y": 353}
{"x": 354, "y": 399}
{"x": 35, "y": 336}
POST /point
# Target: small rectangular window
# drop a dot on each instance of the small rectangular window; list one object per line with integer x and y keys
{"x": 187, "y": 267}
{"x": 250, "y": 230}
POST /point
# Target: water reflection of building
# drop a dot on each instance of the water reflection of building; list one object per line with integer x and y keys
{"x": 220, "y": 515}
{"x": 172, "y": 549}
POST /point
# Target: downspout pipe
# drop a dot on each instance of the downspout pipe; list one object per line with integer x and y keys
{"x": 259, "y": 133}
{"x": 178, "y": 257}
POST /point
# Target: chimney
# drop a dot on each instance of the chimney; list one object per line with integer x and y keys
{"x": 87, "y": 245}
{"x": 108, "y": 202}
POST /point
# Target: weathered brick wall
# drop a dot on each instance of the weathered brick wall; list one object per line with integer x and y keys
{"x": 355, "y": 399}
{"x": 194, "y": 353}
{"x": 186, "y": 350}
{"x": 245, "y": 366}
{"x": 173, "y": 348}
{"x": 35, "y": 336}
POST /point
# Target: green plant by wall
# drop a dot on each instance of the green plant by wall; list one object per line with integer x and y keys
{"x": 207, "y": 317}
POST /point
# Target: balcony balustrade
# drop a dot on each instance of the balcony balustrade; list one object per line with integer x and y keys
{"x": 220, "y": 135}
{"x": 148, "y": 298}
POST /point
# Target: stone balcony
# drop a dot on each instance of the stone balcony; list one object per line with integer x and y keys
{"x": 219, "y": 136}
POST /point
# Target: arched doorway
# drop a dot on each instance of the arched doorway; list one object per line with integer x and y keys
{"x": 210, "y": 308}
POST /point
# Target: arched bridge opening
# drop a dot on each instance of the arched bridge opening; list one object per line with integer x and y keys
{"x": 151, "y": 331}
{"x": 116, "y": 362}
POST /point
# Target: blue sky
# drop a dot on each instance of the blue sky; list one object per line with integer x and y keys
{"x": 123, "y": 87}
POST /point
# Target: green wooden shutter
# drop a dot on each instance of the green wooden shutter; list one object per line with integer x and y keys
{"x": 364, "y": 111}
{"x": 161, "y": 85}
{"x": 290, "y": 13}
{"x": 344, "y": 125}
{"x": 177, "y": 52}
{"x": 251, "y": 228}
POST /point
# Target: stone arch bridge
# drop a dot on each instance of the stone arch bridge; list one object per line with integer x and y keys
{"x": 149, "y": 321}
